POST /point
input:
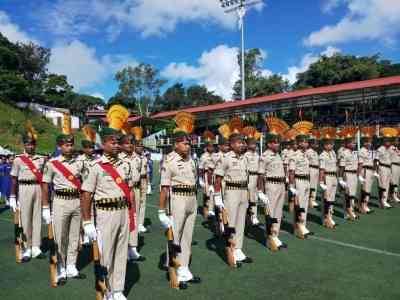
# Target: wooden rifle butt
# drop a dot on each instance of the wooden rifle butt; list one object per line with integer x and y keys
{"x": 173, "y": 278}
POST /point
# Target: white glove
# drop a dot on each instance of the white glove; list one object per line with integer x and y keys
{"x": 342, "y": 183}
{"x": 149, "y": 189}
{"x": 293, "y": 190}
{"x": 263, "y": 197}
{"x": 323, "y": 186}
{"x": 286, "y": 180}
{"x": 361, "y": 179}
{"x": 218, "y": 200}
{"x": 46, "y": 215}
{"x": 90, "y": 230}
{"x": 210, "y": 190}
{"x": 376, "y": 175}
{"x": 13, "y": 202}
{"x": 201, "y": 182}
{"x": 166, "y": 222}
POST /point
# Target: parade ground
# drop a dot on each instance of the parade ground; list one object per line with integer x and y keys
{"x": 359, "y": 260}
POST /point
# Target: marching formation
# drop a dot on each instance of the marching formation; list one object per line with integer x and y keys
{"x": 98, "y": 200}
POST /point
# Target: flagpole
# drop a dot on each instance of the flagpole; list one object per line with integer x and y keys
{"x": 242, "y": 13}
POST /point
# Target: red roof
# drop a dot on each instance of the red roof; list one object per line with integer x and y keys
{"x": 380, "y": 82}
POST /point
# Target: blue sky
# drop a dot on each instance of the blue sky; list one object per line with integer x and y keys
{"x": 194, "y": 41}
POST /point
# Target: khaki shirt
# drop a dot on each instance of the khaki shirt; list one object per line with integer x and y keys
{"x": 340, "y": 151}
{"x": 328, "y": 161}
{"x": 394, "y": 155}
{"x": 383, "y": 156}
{"x": 135, "y": 162}
{"x": 366, "y": 157}
{"x": 205, "y": 161}
{"x": 313, "y": 157}
{"x": 178, "y": 171}
{"x": 271, "y": 165}
{"x": 20, "y": 170}
{"x": 53, "y": 175}
{"x": 232, "y": 167}
{"x": 87, "y": 162}
{"x": 102, "y": 185}
{"x": 143, "y": 171}
{"x": 299, "y": 163}
{"x": 349, "y": 160}
{"x": 253, "y": 161}
{"x": 215, "y": 157}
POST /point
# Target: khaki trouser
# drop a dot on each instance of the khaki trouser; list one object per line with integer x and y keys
{"x": 253, "y": 193}
{"x": 314, "y": 179}
{"x": 385, "y": 176}
{"x": 141, "y": 212}
{"x": 276, "y": 194}
{"x": 210, "y": 198}
{"x": 352, "y": 183}
{"x": 303, "y": 195}
{"x": 134, "y": 235}
{"x": 183, "y": 210}
{"x": 367, "y": 186}
{"x": 236, "y": 204}
{"x": 30, "y": 201}
{"x": 395, "y": 175}
{"x": 113, "y": 227}
{"x": 331, "y": 184}
{"x": 67, "y": 224}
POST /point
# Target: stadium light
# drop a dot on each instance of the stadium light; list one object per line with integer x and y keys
{"x": 239, "y": 6}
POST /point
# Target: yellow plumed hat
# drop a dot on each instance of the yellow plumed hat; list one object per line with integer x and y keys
{"x": 117, "y": 116}
{"x": 66, "y": 128}
{"x": 389, "y": 132}
{"x": 251, "y": 132}
{"x": 30, "y": 134}
{"x": 89, "y": 133}
{"x": 368, "y": 131}
{"x": 137, "y": 131}
{"x": 184, "y": 122}
{"x": 208, "y": 136}
{"x": 348, "y": 132}
{"x": 236, "y": 125}
{"x": 328, "y": 133}
{"x": 276, "y": 126}
{"x": 303, "y": 127}
{"x": 225, "y": 131}
{"x": 290, "y": 135}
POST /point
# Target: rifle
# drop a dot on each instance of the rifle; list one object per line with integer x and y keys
{"x": 53, "y": 255}
{"x": 226, "y": 233}
{"x": 18, "y": 232}
{"x": 100, "y": 273}
{"x": 173, "y": 250}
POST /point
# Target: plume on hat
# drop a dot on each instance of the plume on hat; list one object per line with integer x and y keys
{"x": 389, "y": 132}
{"x": 66, "y": 128}
{"x": 30, "y": 131}
{"x": 303, "y": 127}
{"x": 208, "y": 136}
{"x": 89, "y": 133}
{"x": 328, "y": 133}
{"x": 236, "y": 125}
{"x": 184, "y": 122}
{"x": 137, "y": 131}
{"x": 251, "y": 133}
{"x": 368, "y": 131}
{"x": 276, "y": 126}
{"x": 117, "y": 116}
{"x": 291, "y": 134}
{"x": 225, "y": 131}
{"x": 349, "y": 132}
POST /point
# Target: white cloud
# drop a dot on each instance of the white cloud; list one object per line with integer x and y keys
{"x": 82, "y": 66}
{"x": 150, "y": 17}
{"x": 306, "y": 61}
{"x": 365, "y": 20}
{"x": 329, "y": 5}
{"x": 12, "y": 31}
{"x": 217, "y": 69}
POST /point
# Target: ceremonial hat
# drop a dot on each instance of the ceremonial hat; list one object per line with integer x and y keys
{"x": 208, "y": 137}
{"x": 389, "y": 133}
{"x": 117, "y": 117}
{"x": 368, "y": 132}
{"x": 66, "y": 135}
{"x": 184, "y": 126}
{"x": 348, "y": 133}
{"x": 251, "y": 134}
{"x": 303, "y": 128}
{"x": 328, "y": 134}
{"x": 30, "y": 134}
{"x": 276, "y": 128}
{"x": 90, "y": 136}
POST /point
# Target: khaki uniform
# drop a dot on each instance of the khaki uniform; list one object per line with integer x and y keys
{"x": 349, "y": 161}
{"x": 66, "y": 208}
{"x": 205, "y": 164}
{"x": 136, "y": 166}
{"x": 328, "y": 163}
{"x": 143, "y": 190}
{"x": 112, "y": 223}
{"x": 384, "y": 171}
{"x": 301, "y": 166}
{"x": 366, "y": 158}
{"x": 271, "y": 168}
{"x": 253, "y": 161}
{"x": 29, "y": 198}
{"x": 180, "y": 175}
{"x": 313, "y": 158}
{"x": 215, "y": 158}
{"x": 233, "y": 169}
{"x": 395, "y": 159}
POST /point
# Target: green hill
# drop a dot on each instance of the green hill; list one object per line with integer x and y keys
{"x": 12, "y": 125}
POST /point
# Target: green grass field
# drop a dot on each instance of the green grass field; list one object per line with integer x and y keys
{"x": 359, "y": 260}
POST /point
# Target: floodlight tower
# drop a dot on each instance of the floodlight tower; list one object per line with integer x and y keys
{"x": 239, "y": 6}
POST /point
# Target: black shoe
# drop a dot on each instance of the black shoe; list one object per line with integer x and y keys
{"x": 309, "y": 234}
{"x": 183, "y": 285}
{"x": 62, "y": 281}
{"x": 195, "y": 280}
{"x": 25, "y": 259}
{"x": 195, "y": 243}
{"x": 139, "y": 259}
{"x": 370, "y": 211}
{"x": 79, "y": 276}
{"x": 247, "y": 260}
{"x": 283, "y": 246}
{"x": 40, "y": 256}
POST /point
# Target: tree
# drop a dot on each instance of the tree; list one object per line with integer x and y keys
{"x": 139, "y": 84}
{"x": 197, "y": 95}
{"x": 258, "y": 84}
{"x": 174, "y": 97}
{"x": 56, "y": 87}
{"x": 344, "y": 68}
